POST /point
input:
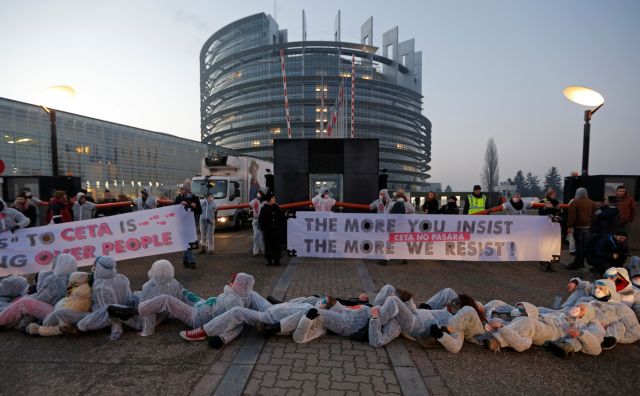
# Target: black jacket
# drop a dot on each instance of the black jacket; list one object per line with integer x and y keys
{"x": 271, "y": 219}
{"x": 189, "y": 199}
{"x": 430, "y": 206}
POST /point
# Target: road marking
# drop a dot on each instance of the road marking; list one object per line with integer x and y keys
{"x": 237, "y": 375}
{"x": 407, "y": 373}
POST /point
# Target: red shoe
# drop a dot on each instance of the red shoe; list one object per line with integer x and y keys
{"x": 194, "y": 335}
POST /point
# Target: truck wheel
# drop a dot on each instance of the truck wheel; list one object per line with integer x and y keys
{"x": 237, "y": 222}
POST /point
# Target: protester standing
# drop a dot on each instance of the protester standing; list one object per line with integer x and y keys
{"x": 380, "y": 204}
{"x": 83, "y": 209}
{"x": 144, "y": 201}
{"x": 207, "y": 223}
{"x": 627, "y": 206}
{"x": 59, "y": 208}
{"x": 515, "y": 206}
{"x": 476, "y": 201}
{"x": 431, "y": 204}
{"x": 323, "y": 201}
{"x": 271, "y": 222}
{"x": 191, "y": 203}
{"x": 258, "y": 240}
{"x": 581, "y": 210}
{"x": 400, "y": 204}
{"x": 451, "y": 208}
{"x": 27, "y": 208}
{"x": 11, "y": 219}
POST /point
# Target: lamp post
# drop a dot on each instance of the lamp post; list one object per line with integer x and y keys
{"x": 54, "y": 97}
{"x": 590, "y": 98}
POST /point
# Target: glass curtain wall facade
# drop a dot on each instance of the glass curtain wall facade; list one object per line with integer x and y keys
{"x": 105, "y": 155}
{"x": 242, "y": 96}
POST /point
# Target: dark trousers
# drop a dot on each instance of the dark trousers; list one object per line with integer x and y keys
{"x": 582, "y": 237}
{"x": 272, "y": 247}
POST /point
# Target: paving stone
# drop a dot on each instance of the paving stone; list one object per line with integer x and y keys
{"x": 288, "y": 384}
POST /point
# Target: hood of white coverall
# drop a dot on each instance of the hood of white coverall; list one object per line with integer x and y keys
{"x": 13, "y": 286}
{"x": 385, "y": 194}
{"x": 105, "y": 267}
{"x": 243, "y": 284}
{"x": 65, "y": 264}
{"x": 531, "y": 310}
{"x": 611, "y": 286}
{"x": 614, "y": 271}
{"x": 161, "y": 272}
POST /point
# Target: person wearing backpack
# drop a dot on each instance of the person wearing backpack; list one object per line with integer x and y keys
{"x": 400, "y": 204}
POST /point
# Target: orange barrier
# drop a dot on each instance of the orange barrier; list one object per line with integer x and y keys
{"x": 296, "y": 204}
{"x": 353, "y": 206}
{"x": 535, "y": 205}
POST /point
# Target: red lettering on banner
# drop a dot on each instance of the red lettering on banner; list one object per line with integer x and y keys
{"x": 134, "y": 244}
{"x": 107, "y": 248}
{"x": 88, "y": 251}
{"x": 65, "y": 234}
{"x": 146, "y": 240}
{"x": 166, "y": 238}
{"x": 44, "y": 258}
{"x": 429, "y": 236}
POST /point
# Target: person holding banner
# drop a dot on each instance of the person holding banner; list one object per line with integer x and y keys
{"x": 207, "y": 223}
{"x": 41, "y": 304}
{"x": 451, "y": 208}
{"x": 11, "y": 219}
{"x": 515, "y": 206}
{"x": 323, "y": 201}
{"x": 144, "y": 201}
{"x": 476, "y": 201}
{"x": 271, "y": 222}
{"x": 24, "y": 205}
{"x": 430, "y": 205}
{"x": 190, "y": 203}
{"x": 380, "y": 204}
{"x": 400, "y": 204}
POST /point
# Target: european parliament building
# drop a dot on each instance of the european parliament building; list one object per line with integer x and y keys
{"x": 242, "y": 69}
{"x": 105, "y": 155}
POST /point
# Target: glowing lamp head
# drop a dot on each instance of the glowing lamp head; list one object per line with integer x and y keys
{"x": 57, "y": 96}
{"x": 583, "y": 96}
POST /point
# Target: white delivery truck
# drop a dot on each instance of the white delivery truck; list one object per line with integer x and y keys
{"x": 232, "y": 181}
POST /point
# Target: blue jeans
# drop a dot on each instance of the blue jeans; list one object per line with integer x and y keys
{"x": 582, "y": 237}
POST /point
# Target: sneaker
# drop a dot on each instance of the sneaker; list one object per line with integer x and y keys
{"x": 268, "y": 329}
{"x": 492, "y": 343}
{"x": 573, "y": 266}
{"x": 609, "y": 342}
{"x": 194, "y": 335}
{"x": 121, "y": 312}
{"x": 216, "y": 342}
{"x": 560, "y": 349}
{"x": 361, "y": 335}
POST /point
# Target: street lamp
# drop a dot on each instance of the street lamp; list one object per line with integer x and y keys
{"x": 590, "y": 98}
{"x": 55, "y": 96}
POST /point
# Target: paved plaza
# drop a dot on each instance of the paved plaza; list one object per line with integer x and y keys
{"x": 165, "y": 364}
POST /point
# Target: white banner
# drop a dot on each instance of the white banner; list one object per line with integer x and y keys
{"x": 420, "y": 237}
{"x": 125, "y": 236}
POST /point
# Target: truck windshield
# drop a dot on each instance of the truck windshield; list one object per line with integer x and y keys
{"x": 217, "y": 187}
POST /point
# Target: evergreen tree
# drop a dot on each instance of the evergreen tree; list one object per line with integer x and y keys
{"x": 552, "y": 179}
{"x": 490, "y": 171}
{"x": 519, "y": 182}
{"x": 532, "y": 186}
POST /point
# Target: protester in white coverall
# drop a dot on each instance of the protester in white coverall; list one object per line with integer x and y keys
{"x": 583, "y": 290}
{"x": 12, "y": 287}
{"x": 619, "y": 321}
{"x": 161, "y": 283}
{"x": 41, "y": 304}
{"x": 280, "y": 318}
{"x": 380, "y": 204}
{"x": 11, "y": 219}
{"x": 144, "y": 201}
{"x": 83, "y": 209}
{"x": 109, "y": 288}
{"x": 207, "y": 223}
{"x": 69, "y": 310}
{"x": 323, "y": 202}
{"x": 258, "y": 240}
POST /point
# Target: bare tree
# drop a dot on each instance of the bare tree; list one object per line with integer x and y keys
{"x": 490, "y": 171}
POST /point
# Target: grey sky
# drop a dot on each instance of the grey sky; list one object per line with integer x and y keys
{"x": 490, "y": 68}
